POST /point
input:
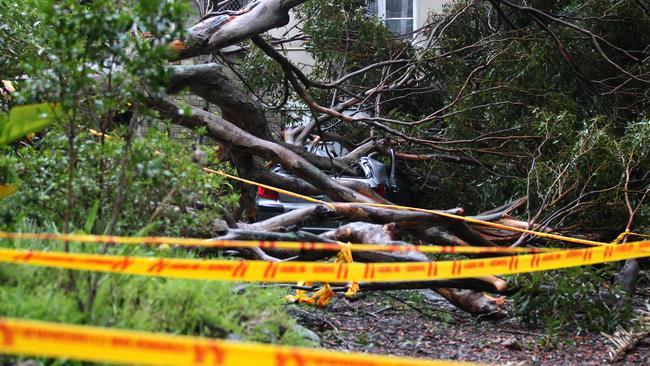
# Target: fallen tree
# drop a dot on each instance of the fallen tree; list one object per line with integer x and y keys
{"x": 467, "y": 113}
{"x": 372, "y": 87}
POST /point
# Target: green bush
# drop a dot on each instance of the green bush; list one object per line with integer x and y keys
{"x": 70, "y": 178}
{"x": 573, "y": 299}
{"x": 163, "y": 192}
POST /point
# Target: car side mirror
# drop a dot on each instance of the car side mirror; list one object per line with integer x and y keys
{"x": 392, "y": 181}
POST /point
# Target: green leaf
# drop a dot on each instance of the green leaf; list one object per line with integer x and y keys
{"x": 7, "y": 190}
{"x": 92, "y": 215}
{"x": 26, "y": 119}
{"x": 147, "y": 229}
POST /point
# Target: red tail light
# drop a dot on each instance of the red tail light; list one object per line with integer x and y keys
{"x": 268, "y": 194}
{"x": 380, "y": 190}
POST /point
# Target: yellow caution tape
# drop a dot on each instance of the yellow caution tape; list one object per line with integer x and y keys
{"x": 626, "y": 233}
{"x": 303, "y": 246}
{"x": 492, "y": 224}
{"x": 260, "y": 271}
{"x": 301, "y": 296}
{"x": 96, "y": 133}
{"x": 345, "y": 256}
{"x": 434, "y": 212}
{"x": 639, "y": 235}
{"x": 353, "y": 289}
{"x": 323, "y": 296}
{"x": 621, "y": 236}
{"x": 46, "y": 339}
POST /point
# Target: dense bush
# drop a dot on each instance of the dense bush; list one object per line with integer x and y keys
{"x": 574, "y": 299}
{"x": 163, "y": 192}
{"x": 107, "y": 165}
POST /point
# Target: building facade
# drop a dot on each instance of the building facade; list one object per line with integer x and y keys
{"x": 402, "y": 17}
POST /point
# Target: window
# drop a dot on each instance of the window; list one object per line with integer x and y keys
{"x": 232, "y": 5}
{"x": 398, "y": 15}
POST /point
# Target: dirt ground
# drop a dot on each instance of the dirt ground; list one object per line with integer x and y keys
{"x": 410, "y": 324}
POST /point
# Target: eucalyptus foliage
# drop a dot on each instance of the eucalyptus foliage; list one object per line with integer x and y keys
{"x": 543, "y": 111}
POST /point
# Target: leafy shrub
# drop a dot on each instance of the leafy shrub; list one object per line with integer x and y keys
{"x": 578, "y": 299}
{"x": 163, "y": 192}
{"x": 71, "y": 178}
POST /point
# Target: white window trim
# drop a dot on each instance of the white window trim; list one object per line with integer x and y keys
{"x": 381, "y": 13}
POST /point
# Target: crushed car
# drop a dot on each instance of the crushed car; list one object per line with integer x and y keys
{"x": 382, "y": 179}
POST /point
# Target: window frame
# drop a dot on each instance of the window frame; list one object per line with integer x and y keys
{"x": 381, "y": 14}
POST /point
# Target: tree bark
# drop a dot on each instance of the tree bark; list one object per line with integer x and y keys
{"x": 224, "y": 30}
{"x": 229, "y": 134}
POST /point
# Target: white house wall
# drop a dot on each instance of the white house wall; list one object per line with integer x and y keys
{"x": 297, "y": 54}
{"x": 425, "y": 6}
{"x": 295, "y": 50}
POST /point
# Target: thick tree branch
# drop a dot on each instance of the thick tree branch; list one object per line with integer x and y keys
{"x": 210, "y": 83}
{"x": 229, "y": 134}
{"x": 224, "y": 30}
